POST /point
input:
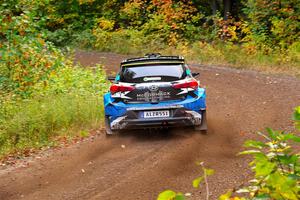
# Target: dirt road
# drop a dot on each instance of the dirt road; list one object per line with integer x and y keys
{"x": 138, "y": 165}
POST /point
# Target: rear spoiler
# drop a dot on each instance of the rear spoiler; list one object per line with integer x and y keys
{"x": 153, "y": 59}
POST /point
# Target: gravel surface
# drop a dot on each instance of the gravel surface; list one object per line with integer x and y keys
{"x": 139, "y": 164}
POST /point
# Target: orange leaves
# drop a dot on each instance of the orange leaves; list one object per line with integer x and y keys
{"x": 174, "y": 11}
{"x": 26, "y": 55}
{"x": 174, "y": 26}
{"x": 48, "y": 65}
{"x": 231, "y": 30}
{"x": 175, "y": 15}
{"x": 22, "y": 32}
{"x": 28, "y": 64}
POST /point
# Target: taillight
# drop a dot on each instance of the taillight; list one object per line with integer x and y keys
{"x": 120, "y": 88}
{"x": 190, "y": 84}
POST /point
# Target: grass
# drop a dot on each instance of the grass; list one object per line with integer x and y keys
{"x": 37, "y": 122}
{"x": 238, "y": 57}
{"x": 69, "y": 105}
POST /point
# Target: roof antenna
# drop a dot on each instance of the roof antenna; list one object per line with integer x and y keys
{"x": 152, "y": 55}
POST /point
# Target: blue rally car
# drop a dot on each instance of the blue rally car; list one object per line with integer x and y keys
{"x": 154, "y": 91}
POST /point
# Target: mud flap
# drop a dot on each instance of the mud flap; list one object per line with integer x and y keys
{"x": 108, "y": 130}
{"x": 203, "y": 126}
{"x": 204, "y": 122}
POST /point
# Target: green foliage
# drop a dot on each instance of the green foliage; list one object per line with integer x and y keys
{"x": 126, "y": 41}
{"x": 260, "y": 34}
{"x": 206, "y": 172}
{"x": 273, "y": 23}
{"x": 276, "y": 167}
{"x": 42, "y": 95}
{"x": 74, "y": 79}
{"x": 71, "y": 99}
{"x": 170, "y": 27}
{"x": 227, "y": 196}
{"x": 26, "y": 59}
{"x": 37, "y": 121}
{"x": 219, "y": 53}
{"x": 170, "y": 195}
{"x": 296, "y": 117}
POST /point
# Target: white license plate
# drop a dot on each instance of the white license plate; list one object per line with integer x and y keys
{"x": 157, "y": 114}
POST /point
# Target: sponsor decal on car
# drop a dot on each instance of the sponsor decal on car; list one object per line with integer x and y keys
{"x": 152, "y": 79}
{"x": 153, "y": 95}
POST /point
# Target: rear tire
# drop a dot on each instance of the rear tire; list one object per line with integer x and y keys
{"x": 108, "y": 130}
{"x": 202, "y": 128}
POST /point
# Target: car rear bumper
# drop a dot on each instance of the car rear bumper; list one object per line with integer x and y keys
{"x": 187, "y": 112}
{"x": 179, "y": 117}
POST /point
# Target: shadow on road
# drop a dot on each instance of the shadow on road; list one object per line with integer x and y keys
{"x": 157, "y": 134}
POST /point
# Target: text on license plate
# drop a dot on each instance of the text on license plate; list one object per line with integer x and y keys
{"x": 157, "y": 114}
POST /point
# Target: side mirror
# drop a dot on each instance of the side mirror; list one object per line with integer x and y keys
{"x": 195, "y": 74}
{"x": 111, "y": 78}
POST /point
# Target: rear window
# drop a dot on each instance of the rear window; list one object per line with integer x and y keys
{"x": 152, "y": 73}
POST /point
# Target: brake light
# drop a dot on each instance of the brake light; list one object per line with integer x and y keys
{"x": 120, "y": 88}
{"x": 191, "y": 84}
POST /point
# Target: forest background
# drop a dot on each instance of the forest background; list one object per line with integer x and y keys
{"x": 260, "y": 34}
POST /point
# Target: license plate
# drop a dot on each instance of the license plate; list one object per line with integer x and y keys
{"x": 157, "y": 114}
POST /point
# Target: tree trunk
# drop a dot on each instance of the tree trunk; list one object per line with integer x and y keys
{"x": 227, "y": 8}
{"x": 213, "y": 5}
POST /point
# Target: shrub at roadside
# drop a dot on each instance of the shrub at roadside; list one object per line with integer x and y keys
{"x": 130, "y": 41}
{"x": 276, "y": 167}
{"x": 25, "y": 58}
{"x": 42, "y": 95}
{"x": 70, "y": 102}
{"x": 264, "y": 36}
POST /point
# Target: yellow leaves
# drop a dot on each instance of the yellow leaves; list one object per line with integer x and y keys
{"x": 25, "y": 17}
{"x": 86, "y": 2}
{"x": 232, "y": 33}
{"x": 250, "y": 48}
{"x": 60, "y": 20}
{"x": 31, "y": 64}
{"x": 53, "y": 73}
{"x": 173, "y": 39}
{"x": 184, "y": 48}
{"x": 174, "y": 13}
{"x": 133, "y": 8}
{"x": 106, "y": 24}
{"x": 170, "y": 195}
